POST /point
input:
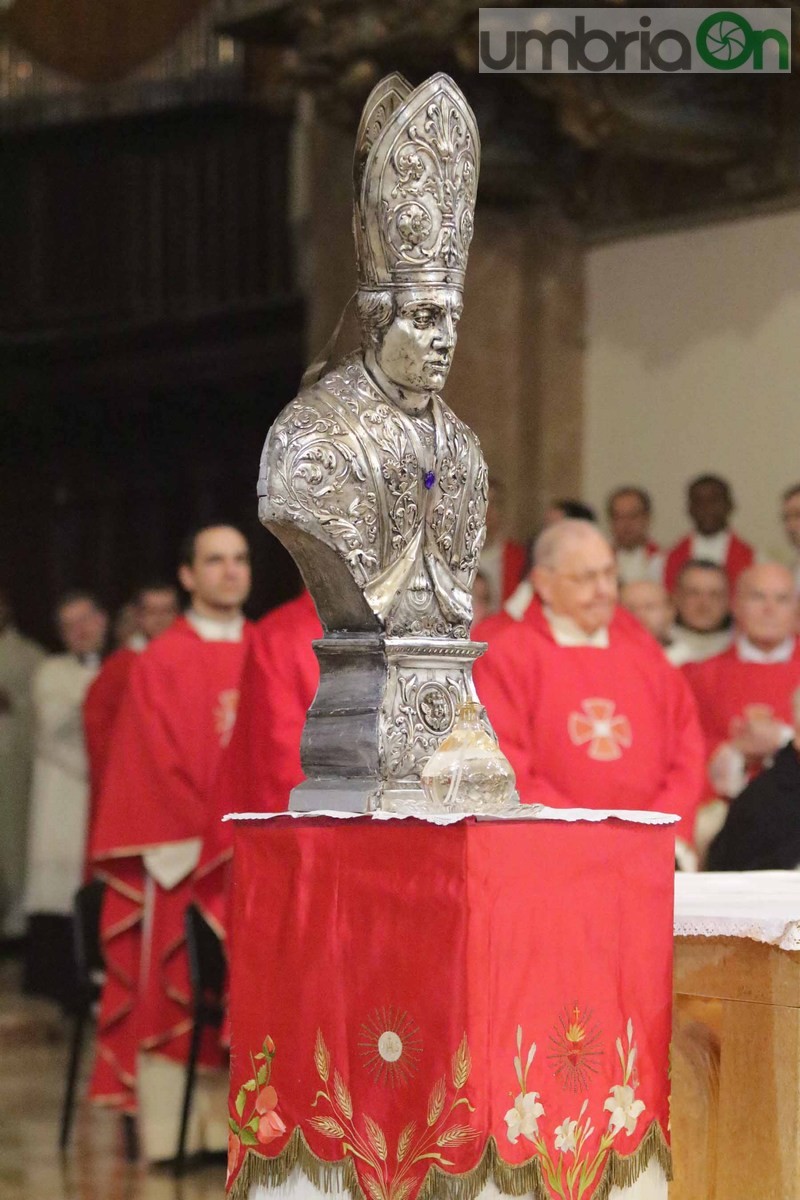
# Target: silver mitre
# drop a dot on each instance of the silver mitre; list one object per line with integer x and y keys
{"x": 415, "y": 175}
{"x": 382, "y": 501}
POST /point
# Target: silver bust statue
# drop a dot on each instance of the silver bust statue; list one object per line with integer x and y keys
{"x": 372, "y": 483}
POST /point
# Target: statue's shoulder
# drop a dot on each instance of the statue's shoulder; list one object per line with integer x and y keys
{"x": 458, "y": 428}
{"x": 342, "y": 392}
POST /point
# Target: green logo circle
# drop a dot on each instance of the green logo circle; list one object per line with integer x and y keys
{"x": 725, "y": 40}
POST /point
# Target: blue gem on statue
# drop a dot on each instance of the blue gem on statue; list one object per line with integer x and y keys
{"x": 430, "y": 479}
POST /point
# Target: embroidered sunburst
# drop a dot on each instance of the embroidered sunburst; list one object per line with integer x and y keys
{"x": 606, "y": 733}
{"x": 390, "y": 1046}
{"x": 576, "y": 1048}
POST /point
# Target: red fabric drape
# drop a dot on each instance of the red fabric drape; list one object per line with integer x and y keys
{"x": 385, "y": 976}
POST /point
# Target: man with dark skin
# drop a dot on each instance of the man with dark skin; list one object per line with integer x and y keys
{"x": 710, "y": 505}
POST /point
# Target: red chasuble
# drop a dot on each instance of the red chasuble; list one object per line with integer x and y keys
{"x": 514, "y": 559}
{"x": 262, "y": 763}
{"x": 740, "y": 556}
{"x": 177, "y": 714}
{"x": 594, "y": 728}
{"x": 725, "y": 688}
{"x": 100, "y": 710}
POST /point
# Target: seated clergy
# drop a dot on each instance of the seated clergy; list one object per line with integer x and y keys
{"x": 762, "y": 830}
{"x": 583, "y": 702}
{"x": 790, "y": 515}
{"x": 702, "y": 613}
{"x": 710, "y": 505}
{"x": 744, "y": 695}
{"x": 650, "y": 604}
{"x": 638, "y": 556}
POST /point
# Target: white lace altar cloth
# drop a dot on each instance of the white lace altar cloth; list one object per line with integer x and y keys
{"x": 651, "y": 1185}
{"x": 525, "y": 812}
{"x": 763, "y": 906}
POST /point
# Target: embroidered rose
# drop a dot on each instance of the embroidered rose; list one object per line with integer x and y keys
{"x": 523, "y": 1118}
{"x": 625, "y": 1109}
{"x": 266, "y": 1100}
{"x": 269, "y": 1127}
{"x": 234, "y": 1148}
{"x": 567, "y": 1136}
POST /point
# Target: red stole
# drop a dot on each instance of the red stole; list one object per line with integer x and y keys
{"x": 178, "y": 712}
{"x": 740, "y": 556}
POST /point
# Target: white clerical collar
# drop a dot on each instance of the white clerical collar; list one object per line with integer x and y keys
{"x": 137, "y": 642}
{"x": 211, "y": 629}
{"x": 712, "y": 547}
{"x": 566, "y": 633}
{"x": 747, "y": 652}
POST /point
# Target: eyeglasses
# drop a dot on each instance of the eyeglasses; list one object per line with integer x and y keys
{"x": 587, "y": 578}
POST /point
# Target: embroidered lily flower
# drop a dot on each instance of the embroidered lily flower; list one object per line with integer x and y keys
{"x": 269, "y": 1127}
{"x": 567, "y": 1136}
{"x": 523, "y": 1118}
{"x": 625, "y": 1109}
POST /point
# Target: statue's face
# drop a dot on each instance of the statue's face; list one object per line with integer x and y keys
{"x": 417, "y": 349}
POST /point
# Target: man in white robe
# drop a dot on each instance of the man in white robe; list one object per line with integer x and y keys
{"x": 59, "y": 796}
{"x": 19, "y": 658}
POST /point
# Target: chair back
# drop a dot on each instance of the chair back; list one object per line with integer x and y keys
{"x": 207, "y": 967}
{"x": 89, "y": 962}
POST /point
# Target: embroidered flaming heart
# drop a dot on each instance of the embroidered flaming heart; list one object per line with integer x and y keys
{"x": 606, "y": 733}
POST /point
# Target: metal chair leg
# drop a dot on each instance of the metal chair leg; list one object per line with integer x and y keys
{"x": 72, "y": 1079}
{"x": 191, "y": 1066}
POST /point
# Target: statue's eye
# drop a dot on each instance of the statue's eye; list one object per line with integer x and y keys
{"x": 423, "y": 318}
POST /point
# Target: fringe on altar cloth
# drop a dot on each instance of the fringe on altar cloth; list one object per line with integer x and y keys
{"x": 525, "y": 1179}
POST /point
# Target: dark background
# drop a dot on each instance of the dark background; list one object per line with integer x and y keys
{"x": 150, "y": 331}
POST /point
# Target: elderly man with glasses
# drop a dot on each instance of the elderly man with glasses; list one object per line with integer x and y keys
{"x": 583, "y": 701}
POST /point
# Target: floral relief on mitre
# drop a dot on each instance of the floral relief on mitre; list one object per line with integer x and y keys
{"x": 415, "y": 178}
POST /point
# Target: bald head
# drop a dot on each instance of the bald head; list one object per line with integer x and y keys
{"x": 563, "y": 537}
{"x": 575, "y": 573}
{"x": 649, "y": 602}
{"x": 765, "y": 605}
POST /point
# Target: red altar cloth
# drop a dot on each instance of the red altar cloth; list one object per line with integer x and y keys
{"x": 410, "y": 997}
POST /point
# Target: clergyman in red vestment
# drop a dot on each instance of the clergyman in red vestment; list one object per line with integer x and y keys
{"x": 155, "y": 606}
{"x": 710, "y": 505}
{"x": 744, "y": 695}
{"x": 261, "y": 764}
{"x": 177, "y": 715}
{"x": 582, "y": 699}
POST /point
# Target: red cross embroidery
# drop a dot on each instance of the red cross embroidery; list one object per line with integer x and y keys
{"x": 606, "y": 734}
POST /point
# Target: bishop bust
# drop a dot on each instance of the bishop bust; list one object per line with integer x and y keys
{"x": 372, "y": 483}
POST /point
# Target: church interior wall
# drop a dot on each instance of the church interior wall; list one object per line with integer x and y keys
{"x": 691, "y": 366}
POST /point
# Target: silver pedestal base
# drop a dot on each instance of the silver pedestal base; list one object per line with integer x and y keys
{"x": 381, "y": 710}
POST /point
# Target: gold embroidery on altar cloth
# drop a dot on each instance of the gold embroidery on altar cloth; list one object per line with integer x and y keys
{"x": 526, "y": 1179}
